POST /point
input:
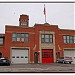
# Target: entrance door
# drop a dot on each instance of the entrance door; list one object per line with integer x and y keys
{"x": 47, "y": 56}
{"x": 36, "y": 57}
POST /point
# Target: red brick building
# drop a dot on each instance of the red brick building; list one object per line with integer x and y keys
{"x": 42, "y": 43}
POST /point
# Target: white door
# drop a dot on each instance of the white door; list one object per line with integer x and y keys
{"x": 70, "y": 53}
{"x": 19, "y": 56}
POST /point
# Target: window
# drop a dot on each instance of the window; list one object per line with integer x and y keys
{"x": 51, "y": 38}
{"x": 22, "y": 57}
{"x": 14, "y": 37}
{"x": 1, "y": 40}
{"x": 20, "y": 37}
{"x": 69, "y": 39}
{"x": 23, "y": 22}
{"x": 42, "y": 39}
{"x": 64, "y": 39}
{"x": 26, "y": 37}
{"x": 13, "y": 56}
{"x": 47, "y": 38}
{"x": 47, "y": 55}
{"x": 74, "y": 39}
{"x": 17, "y": 57}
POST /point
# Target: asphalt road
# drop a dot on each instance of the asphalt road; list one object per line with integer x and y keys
{"x": 55, "y": 67}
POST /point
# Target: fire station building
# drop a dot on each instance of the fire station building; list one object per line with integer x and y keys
{"x": 42, "y": 43}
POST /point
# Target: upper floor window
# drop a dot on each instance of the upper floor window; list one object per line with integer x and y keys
{"x": 14, "y": 37}
{"x": 20, "y": 37}
{"x": 47, "y": 38}
{"x": 69, "y": 39}
{"x": 23, "y": 22}
{"x": 1, "y": 40}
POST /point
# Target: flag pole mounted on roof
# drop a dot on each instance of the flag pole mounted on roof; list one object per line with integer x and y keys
{"x": 45, "y": 13}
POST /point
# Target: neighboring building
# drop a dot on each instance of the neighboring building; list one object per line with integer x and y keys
{"x": 42, "y": 43}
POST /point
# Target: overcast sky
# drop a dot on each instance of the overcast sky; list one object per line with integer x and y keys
{"x": 61, "y": 14}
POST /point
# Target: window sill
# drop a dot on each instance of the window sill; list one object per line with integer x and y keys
{"x": 69, "y": 43}
{"x": 46, "y": 43}
{"x": 19, "y": 42}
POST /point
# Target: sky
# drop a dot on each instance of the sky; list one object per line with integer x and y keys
{"x": 61, "y": 14}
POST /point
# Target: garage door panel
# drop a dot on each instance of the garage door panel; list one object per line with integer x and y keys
{"x": 19, "y": 56}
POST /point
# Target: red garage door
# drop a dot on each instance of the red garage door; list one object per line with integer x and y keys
{"x": 47, "y": 56}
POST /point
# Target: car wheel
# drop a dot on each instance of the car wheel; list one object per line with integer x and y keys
{"x": 63, "y": 62}
{"x": 69, "y": 62}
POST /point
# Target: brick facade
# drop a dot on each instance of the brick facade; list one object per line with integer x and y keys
{"x": 34, "y": 43}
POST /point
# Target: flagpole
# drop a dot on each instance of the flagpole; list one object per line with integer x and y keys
{"x": 45, "y": 13}
{"x": 45, "y": 18}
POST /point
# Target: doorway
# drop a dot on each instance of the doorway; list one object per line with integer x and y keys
{"x": 36, "y": 57}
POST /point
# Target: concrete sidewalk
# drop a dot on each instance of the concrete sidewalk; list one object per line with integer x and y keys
{"x": 38, "y": 68}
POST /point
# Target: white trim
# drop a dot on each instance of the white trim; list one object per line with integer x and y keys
{"x": 19, "y": 47}
{"x": 34, "y": 47}
{"x": 40, "y": 48}
{"x": 54, "y": 50}
{"x": 59, "y": 47}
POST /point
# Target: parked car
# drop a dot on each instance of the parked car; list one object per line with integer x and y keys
{"x": 64, "y": 60}
{"x": 4, "y": 61}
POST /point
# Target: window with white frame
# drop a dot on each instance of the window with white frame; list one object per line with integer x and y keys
{"x": 14, "y": 37}
{"x": 47, "y": 38}
{"x": 23, "y": 22}
{"x": 1, "y": 40}
{"x": 20, "y": 37}
{"x": 69, "y": 39}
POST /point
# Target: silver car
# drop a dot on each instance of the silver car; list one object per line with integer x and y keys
{"x": 64, "y": 60}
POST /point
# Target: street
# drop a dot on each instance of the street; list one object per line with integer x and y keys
{"x": 55, "y": 67}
